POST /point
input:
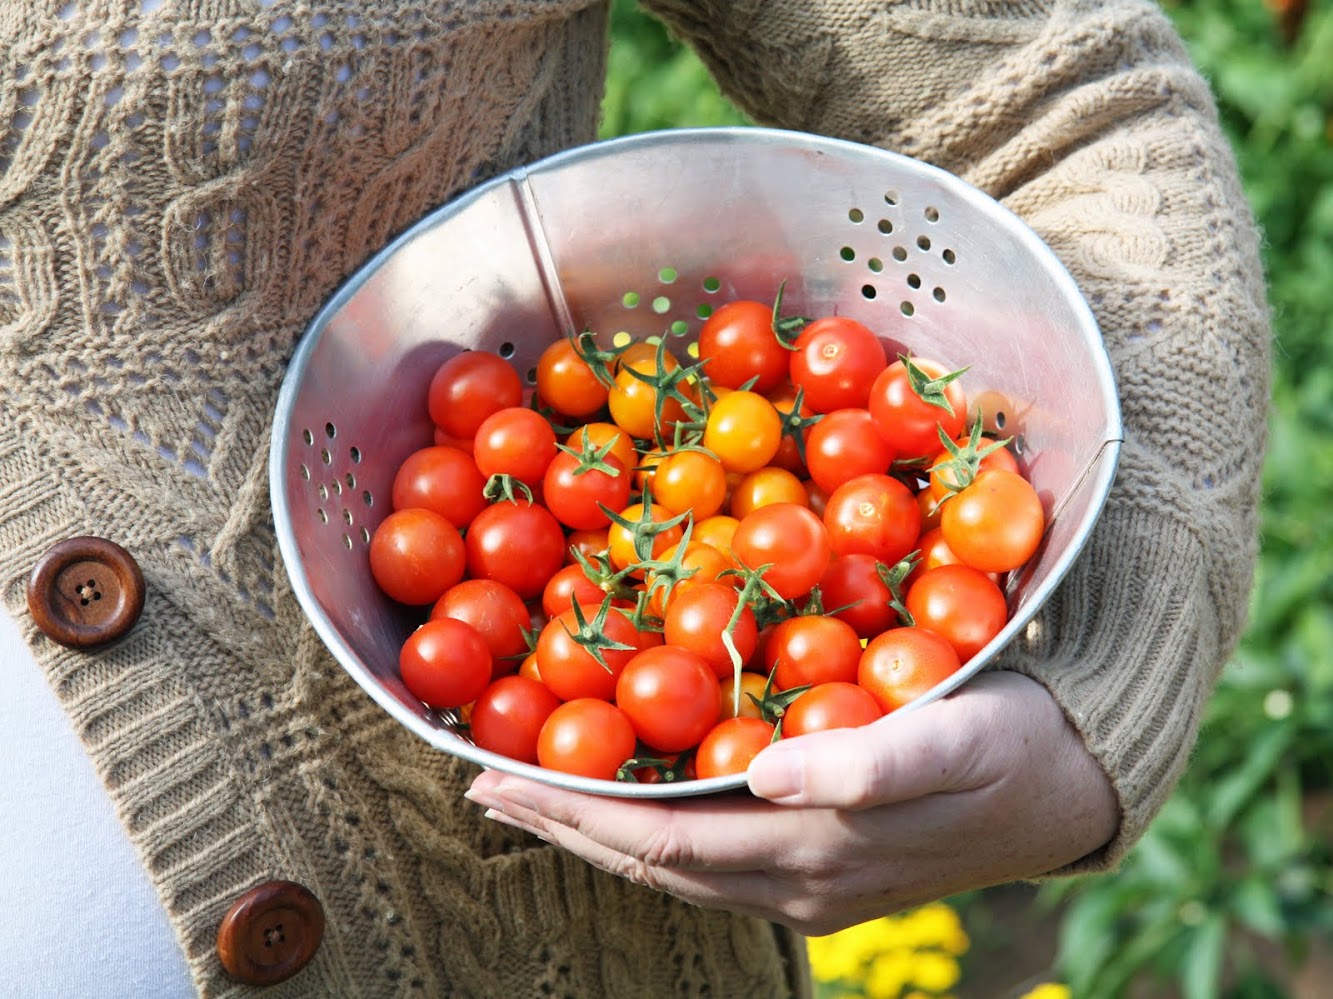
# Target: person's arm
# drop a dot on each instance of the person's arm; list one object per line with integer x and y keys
{"x": 1087, "y": 120}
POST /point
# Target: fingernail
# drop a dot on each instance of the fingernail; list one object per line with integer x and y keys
{"x": 778, "y": 772}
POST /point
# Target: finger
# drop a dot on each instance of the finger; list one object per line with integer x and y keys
{"x": 726, "y": 832}
{"x": 901, "y": 757}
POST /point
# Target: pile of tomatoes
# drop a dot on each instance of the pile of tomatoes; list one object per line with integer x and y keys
{"x": 656, "y": 563}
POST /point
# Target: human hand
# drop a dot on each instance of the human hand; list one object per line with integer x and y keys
{"x": 988, "y": 785}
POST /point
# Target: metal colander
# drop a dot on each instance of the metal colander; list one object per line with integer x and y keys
{"x": 644, "y": 236}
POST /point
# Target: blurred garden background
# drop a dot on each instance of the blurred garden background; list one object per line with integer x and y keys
{"x": 1230, "y": 894}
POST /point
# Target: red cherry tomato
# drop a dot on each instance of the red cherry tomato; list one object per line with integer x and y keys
{"x": 514, "y": 441}
{"x": 737, "y": 343}
{"x": 445, "y": 663}
{"x": 576, "y": 493}
{"x": 843, "y": 445}
{"x": 853, "y": 591}
{"x": 697, "y": 617}
{"x": 792, "y": 539}
{"x": 873, "y": 514}
{"x": 497, "y": 612}
{"x": 961, "y": 604}
{"x": 836, "y": 360}
{"x": 415, "y": 555}
{"x": 571, "y": 670}
{"x": 670, "y": 696}
{"x": 901, "y": 664}
{"x": 443, "y": 479}
{"x": 588, "y": 737}
{"x": 810, "y": 649}
{"x": 519, "y": 544}
{"x": 730, "y": 746}
{"x": 571, "y": 583}
{"x": 508, "y": 717}
{"x": 469, "y": 387}
{"x": 838, "y": 704}
{"x": 908, "y": 422}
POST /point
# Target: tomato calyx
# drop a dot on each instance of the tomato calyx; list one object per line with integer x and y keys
{"x": 501, "y": 486}
{"x": 773, "y": 704}
{"x": 600, "y": 361}
{"x": 668, "y": 770}
{"x": 964, "y": 461}
{"x": 663, "y": 574}
{"x": 666, "y": 386}
{"x": 796, "y": 426}
{"x": 644, "y": 531}
{"x": 590, "y": 457}
{"x": 786, "y": 328}
{"x": 930, "y": 390}
{"x": 893, "y": 577}
{"x": 591, "y": 635}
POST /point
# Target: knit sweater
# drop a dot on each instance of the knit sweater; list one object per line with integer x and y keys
{"x": 183, "y": 185}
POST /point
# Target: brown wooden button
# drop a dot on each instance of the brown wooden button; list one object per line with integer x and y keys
{"x": 270, "y": 933}
{"x": 85, "y": 592}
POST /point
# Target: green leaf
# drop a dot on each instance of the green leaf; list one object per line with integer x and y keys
{"x": 1201, "y": 971}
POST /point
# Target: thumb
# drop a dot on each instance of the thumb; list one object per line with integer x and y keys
{"x": 901, "y": 757}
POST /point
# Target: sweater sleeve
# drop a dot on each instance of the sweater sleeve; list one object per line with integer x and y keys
{"x": 1086, "y": 119}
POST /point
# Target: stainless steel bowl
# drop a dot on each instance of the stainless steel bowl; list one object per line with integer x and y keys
{"x": 644, "y": 236}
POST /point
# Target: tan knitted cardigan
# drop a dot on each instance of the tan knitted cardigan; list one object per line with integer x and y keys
{"x": 183, "y": 184}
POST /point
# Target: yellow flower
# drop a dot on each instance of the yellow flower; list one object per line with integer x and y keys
{"x": 889, "y": 974}
{"x": 935, "y": 972}
{"x": 1048, "y": 990}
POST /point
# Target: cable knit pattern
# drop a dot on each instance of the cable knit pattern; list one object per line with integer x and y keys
{"x": 181, "y": 186}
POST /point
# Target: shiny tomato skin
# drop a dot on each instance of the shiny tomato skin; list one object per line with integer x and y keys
{"x": 837, "y": 704}
{"x": 443, "y": 479}
{"x": 576, "y": 498}
{"x": 730, "y": 745}
{"x": 690, "y": 480}
{"x": 515, "y": 441}
{"x": 853, "y": 591}
{"x": 901, "y": 664}
{"x": 811, "y": 649}
{"x": 572, "y": 671}
{"x": 791, "y": 538}
{"x": 836, "y": 361}
{"x": 743, "y": 430}
{"x": 445, "y": 663}
{"x": 996, "y": 523}
{"x": 497, "y": 612}
{"x": 737, "y": 343}
{"x": 750, "y": 684}
{"x": 415, "y": 555}
{"x": 697, "y": 617}
{"x": 670, "y": 696}
{"x": 587, "y": 737}
{"x": 508, "y": 716}
{"x": 843, "y": 445}
{"x": 519, "y": 544}
{"x": 875, "y": 515}
{"x": 566, "y": 383}
{"x": 765, "y": 487}
{"x": 571, "y": 583}
{"x": 909, "y": 423}
{"x": 469, "y": 387}
{"x": 961, "y": 604}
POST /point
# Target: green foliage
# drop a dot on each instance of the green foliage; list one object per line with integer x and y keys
{"x": 1240, "y": 861}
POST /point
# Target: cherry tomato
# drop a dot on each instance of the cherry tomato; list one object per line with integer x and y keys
{"x": 836, "y": 360}
{"x": 588, "y": 737}
{"x": 747, "y": 706}
{"x": 634, "y": 403}
{"x": 697, "y": 617}
{"x": 737, "y": 343}
{"x": 445, "y": 663}
{"x": 508, "y": 716}
{"x": 566, "y": 383}
{"x": 996, "y": 523}
{"x": 838, "y": 704}
{"x": 620, "y": 540}
{"x": 600, "y": 434}
{"x": 571, "y": 583}
{"x": 908, "y": 422}
{"x": 788, "y": 455}
{"x": 670, "y": 696}
{"x": 415, "y": 555}
{"x": 853, "y": 591}
{"x": 703, "y": 562}
{"x": 469, "y": 387}
{"x": 811, "y": 649}
{"x": 519, "y": 544}
{"x": 962, "y": 605}
{"x": 443, "y": 479}
{"x": 516, "y": 441}
{"x": 743, "y": 430}
{"x": 730, "y": 746}
{"x": 717, "y": 531}
{"x": 765, "y": 487}
{"x": 843, "y": 445}
{"x": 571, "y": 670}
{"x": 873, "y": 514}
{"x": 934, "y": 551}
{"x": 576, "y": 493}
{"x": 496, "y": 611}
{"x": 944, "y": 475}
{"x": 690, "y": 480}
{"x": 789, "y": 537}
{"x": 901, "y": 664}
